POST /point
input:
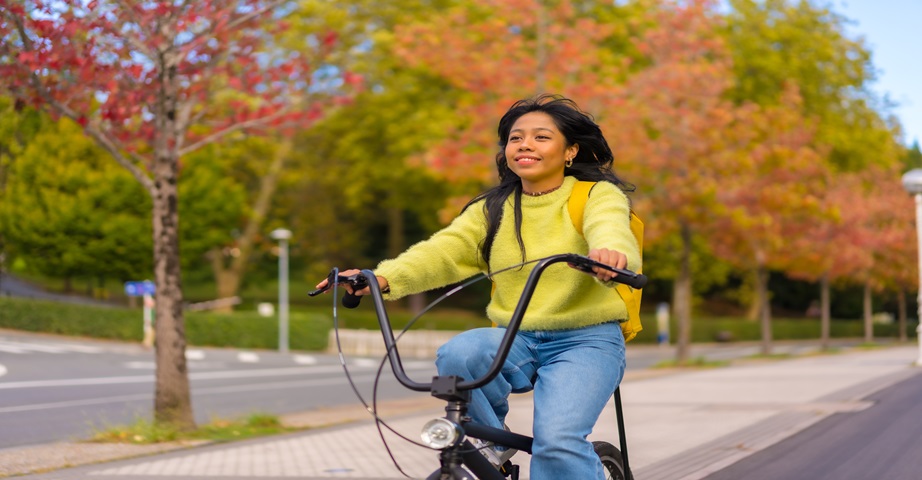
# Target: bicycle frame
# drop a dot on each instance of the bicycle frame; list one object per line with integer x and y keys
{"x": 457, "y": 391}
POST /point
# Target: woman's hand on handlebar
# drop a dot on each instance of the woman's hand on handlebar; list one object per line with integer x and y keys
{"x": 382, "y": 282}
{"x": 612, "y": 258}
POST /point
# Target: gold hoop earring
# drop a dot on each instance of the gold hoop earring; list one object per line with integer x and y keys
{"x": 569, "y": 162}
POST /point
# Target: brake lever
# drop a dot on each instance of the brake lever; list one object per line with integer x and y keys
{"x": 358, "y": 282}
{"x": 627, "y": 277}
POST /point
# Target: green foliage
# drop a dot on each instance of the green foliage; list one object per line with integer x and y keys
{"x": 213, "y": 197}
{"x": 913, "y": 157}
{"x": 67, "y": 206}
{"x": 778, "y": 43}
{"x": 706, "y": 329}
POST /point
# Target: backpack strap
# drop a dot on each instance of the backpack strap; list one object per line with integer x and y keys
{"x": 577, "y": 203}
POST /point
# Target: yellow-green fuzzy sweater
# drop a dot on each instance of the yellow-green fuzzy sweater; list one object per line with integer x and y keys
{"x": 565, "y": 298}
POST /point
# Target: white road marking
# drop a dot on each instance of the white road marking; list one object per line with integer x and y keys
{"x": 75, "y": 403}
{"x": 366, "y": 362}
{"x": 11, "y": 349}
{"x": 267, "y": 372}
{"x": 141, "y": 365}
{"x": 247, "y": 357}
{"x": 195, "y": 354}
{"x": 2, "y": 370}
{"x": 368, "y": 378}
{"x": 37, "y": 347}
{"x": 305, "y": 359}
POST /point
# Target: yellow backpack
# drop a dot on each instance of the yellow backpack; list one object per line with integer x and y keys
{"x": 631, "y": 296}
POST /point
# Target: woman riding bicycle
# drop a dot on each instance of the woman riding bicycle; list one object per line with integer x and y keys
{"x": 569, "y": 349}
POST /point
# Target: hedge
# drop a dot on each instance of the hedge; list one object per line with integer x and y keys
{"x": 308, "y": 330}
{"x": 240, "y": 329}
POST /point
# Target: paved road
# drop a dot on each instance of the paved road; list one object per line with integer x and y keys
{"x": 880, "y": 442}
{"x": 55, "y": 388}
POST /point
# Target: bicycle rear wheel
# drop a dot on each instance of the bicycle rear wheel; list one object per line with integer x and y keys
{"x": 611, "y": 461}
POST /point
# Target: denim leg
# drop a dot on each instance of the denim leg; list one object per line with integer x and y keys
{"x": 579, "y": 372}
{"x": 470, "y": 354}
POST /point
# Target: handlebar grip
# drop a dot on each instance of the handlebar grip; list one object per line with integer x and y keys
{"x": 350, "y": 300}
{"x": 638, "y": 280}
{"x": 358, "y": 282}
{"x": 627, "y": 277}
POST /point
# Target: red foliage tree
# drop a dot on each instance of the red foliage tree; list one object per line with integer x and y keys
{"x": 773, "y": 199}
{"x": 679, "y": 138}
{"x": 151, "y": 81}
{"x": 500, "y": 51}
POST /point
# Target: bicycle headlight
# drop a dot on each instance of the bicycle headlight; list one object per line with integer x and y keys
{"x": 440, "y": 433}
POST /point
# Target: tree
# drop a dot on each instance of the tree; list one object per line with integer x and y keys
{"x": 66, "y": 207}
{"x": 17, "y": 126}
{"x": 913, "y": 156}
{"x": 144, "y": 80}
{"x": 504, "y": 50}
{"x": 774, "y": 198}
{"x": 779, "y": 43}
{"x": 827, "y": 249}
{"x": 674, "y": 132}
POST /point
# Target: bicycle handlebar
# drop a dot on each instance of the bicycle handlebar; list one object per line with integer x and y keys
{"x": 580, "y": 262}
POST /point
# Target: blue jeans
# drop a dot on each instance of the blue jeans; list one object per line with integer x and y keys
{"x": 573, "y": 374}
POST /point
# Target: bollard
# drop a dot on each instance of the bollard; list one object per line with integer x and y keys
{"x": 662, "y": 323}
{"x": 919, "y": 337}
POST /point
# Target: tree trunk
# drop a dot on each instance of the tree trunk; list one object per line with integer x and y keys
{"x": 901, "y": 314}
{"x": 172, "y": 401}
{"x": 765, "y": 312}
{"x": 681, "y": 299}
{"x": 230, "y": 277}
{"x": 755, "y": 308}
{"x": 396, "y": 243}
{"x": 868, "y": 315}
{"x": 825, "y": 314}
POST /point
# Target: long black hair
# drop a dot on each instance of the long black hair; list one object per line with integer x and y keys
{"x": 593, "y": 161}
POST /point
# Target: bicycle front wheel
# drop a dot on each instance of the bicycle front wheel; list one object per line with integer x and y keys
{"x": 611, "y": 461}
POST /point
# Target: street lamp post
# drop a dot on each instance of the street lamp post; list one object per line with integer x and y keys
{"x": 282, "y": 235}
{"x": 912, "y": 182}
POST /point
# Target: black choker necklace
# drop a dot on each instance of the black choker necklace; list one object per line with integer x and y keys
{"x": 538, "y": 194}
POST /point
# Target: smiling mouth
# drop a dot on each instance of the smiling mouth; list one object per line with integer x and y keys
{"x": 527, "y": 160}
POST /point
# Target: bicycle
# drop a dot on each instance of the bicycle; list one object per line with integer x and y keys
{"x": 459, "y": 458}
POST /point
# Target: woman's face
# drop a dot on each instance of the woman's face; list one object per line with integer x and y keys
{"x": 536, "y": 151}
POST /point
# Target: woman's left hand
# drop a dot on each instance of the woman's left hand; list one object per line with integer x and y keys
{"x": 612, "y": 258}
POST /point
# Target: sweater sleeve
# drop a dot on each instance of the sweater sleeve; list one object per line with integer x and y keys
{"x": 448, "y": 256}
{"x": 607, "y": 223}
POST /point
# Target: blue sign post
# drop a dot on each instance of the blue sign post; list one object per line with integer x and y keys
{"x": 144, "y": 289}
{"x": 139, "y": 289}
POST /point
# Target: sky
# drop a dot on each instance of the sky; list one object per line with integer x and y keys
{"x": 892, "y": 31}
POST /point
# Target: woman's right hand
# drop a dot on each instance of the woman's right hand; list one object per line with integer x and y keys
{"x": 382, "y": 282}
